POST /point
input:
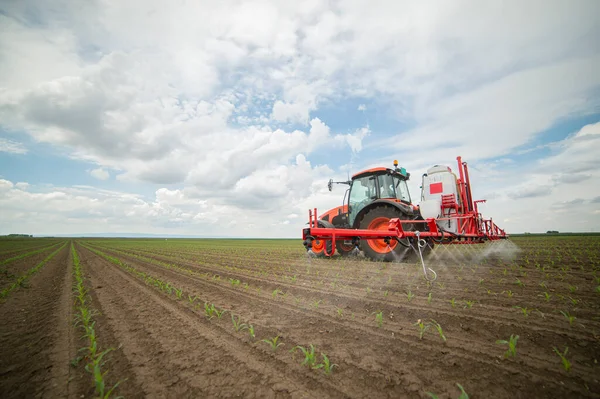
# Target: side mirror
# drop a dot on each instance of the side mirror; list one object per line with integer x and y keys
{"x": 330, "y": 184}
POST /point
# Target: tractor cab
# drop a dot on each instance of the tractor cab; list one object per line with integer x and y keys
{"x": 366, "y": 187}
{"x": 376, "y": 184}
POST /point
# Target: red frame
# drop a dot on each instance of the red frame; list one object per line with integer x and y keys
{"x": 472, "y": 228}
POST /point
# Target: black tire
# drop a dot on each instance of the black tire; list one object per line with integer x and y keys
{"x": 343, "y": 248}
{"x": 328, "y": 245}
{"x": 375, "y": 249}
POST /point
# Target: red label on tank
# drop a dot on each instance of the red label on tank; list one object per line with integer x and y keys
{"x": 436, "y": 188}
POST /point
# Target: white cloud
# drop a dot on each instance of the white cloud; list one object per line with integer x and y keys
{"x": 100, "y": 174}
{"x": 12, "y": 147}
{"x": 208, "y": 106}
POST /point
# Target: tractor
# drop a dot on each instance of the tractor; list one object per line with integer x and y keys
{"x": 379, "y": 219}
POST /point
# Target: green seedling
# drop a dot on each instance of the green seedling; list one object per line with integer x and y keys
{"x": 317, "y": 303}
{"x": 544, "y": 285}
{"x": 512, "y": 345}
{"x": 468, "y": 304}
{"x": 439, "y": 329}
{"x": 340, "y": 312}
{"x": 429, "y": 298}
{"x": 178, "y": 293}
{"x": 220, "y": 313}
{"x": 410, "y": 295}
{"x": 563, "y": 357}
{"x": 463, "y": 394}
{"x": 569, "y": 317}
{"x": 572, "y": 288}
{"x": 422, "y": 327}
{"x": 453, "y": 302}
{"x": 251, "y": 330}
{"x": 326, "y": 365}
{"x": 378, "y": 318}
{"x": 519, "y": 283}
{"x": 234, "y": 282}
{"x": 209, "y": 310}
{"x": 309, "y": 355}
{"x": 237, "y": 323}
{"x": 275, "y": 293}
{"x": 192, "y": 299}
{"x": 525, "y": 311}
{"x": 547, "y": 296}
{"x": 273, "y": 343}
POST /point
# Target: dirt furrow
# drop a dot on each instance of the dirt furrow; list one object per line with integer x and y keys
{"x": 171, "y": 350}
{"x": 295, "y": 318}
{"x": 34, "y": 339}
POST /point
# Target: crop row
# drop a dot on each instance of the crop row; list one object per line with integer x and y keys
{"x": 21, "y": 281}
{"x": 211, "y": 311}
{"x": 84, "y": 318}
{"x": 314, "y": 305}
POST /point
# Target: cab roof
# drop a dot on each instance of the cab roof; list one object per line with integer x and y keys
{"x": 379, "y": 170}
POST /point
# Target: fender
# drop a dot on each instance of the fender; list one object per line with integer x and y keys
{"x": 407, "y": 209}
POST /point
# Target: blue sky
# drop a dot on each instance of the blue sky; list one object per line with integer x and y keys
{"x": 229, "y": 119}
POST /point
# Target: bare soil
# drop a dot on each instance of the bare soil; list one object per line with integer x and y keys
{"x": 166, "y": 346}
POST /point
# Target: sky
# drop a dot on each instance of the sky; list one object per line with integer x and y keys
{"x": 227, "y": 118}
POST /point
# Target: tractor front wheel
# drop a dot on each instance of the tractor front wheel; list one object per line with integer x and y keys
{"x": 378, "y": 249}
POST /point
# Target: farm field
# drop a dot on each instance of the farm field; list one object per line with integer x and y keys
{"x": 257, "y": 318}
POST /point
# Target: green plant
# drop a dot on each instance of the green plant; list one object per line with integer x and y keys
{"x": 429, "y": 298}
{"x": 378, "y": 318}
{"x": 422, "y": 327}
{"x": 209, "y": 310}
{"x": 326, "y": 365}
{"x": 340, "y": 312}
{"x": 439, "y": 329}
{"x": 273, "y": 343}
{"x": 563, "y": 357}
{"x": 317, "y": 303}
{"x": 237, "y": 323}
{"x": 469, "y": 304}
{"x": 512, "y": 345}
{"x": 569, "y": 317}
{"x": 309, "y": 355}
{"x": 251, "y": 330}
{"x": 463, "y": 394}
{"x": 525, "y": 311}
{"x": 192, "y": 299}
{"x": 409, "y": 295}
{"x": 547, "y": 296}
{"x": 453, "y": 302}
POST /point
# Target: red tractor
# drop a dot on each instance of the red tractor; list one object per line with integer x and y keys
{"x": 379, "y": 218}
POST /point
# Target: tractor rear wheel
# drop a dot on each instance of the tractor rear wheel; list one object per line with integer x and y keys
{"x": 377, "y": 249}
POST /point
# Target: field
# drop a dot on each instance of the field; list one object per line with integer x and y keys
{"x": 257, "y": 318}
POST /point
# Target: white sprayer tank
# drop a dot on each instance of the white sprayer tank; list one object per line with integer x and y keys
{"x": 439, "y": 181}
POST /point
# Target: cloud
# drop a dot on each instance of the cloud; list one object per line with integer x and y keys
{"x": 100, "y": 174}
{"x": 227, "y": 110}
{"x": 531, "y": 192}
{"x": 12, "y": 147}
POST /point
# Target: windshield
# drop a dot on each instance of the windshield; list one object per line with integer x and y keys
{"x": 393, "y": 187}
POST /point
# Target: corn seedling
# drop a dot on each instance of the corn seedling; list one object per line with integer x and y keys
{"x": 273, "y": 343}
{"x": 317, "y": 303}
{"x": 547, "y": 296}
{"x": 453, "y": 302}
{"x": 275, "y": 293}
{"x": 192, "y": 299}
{"x": 519, "y": 283}
{"x": 340, "y": 312}
{"x": 563, "y": 357}
{"x": 525, "y": 311}
{"x": 468, "y": 304}
{"x": 569, "y": 317}
{"x": 237, "y": 323}
{"x": 251, "y": 330}
{"x": 439, "y": 329}
{"x": 512, "y": 345}
{"x": 209, "y": 310}
{"x": 178, "y": 293}
{"x": 378, "y": 318}
{"x": 429, "y": 298}
{"x": 326, "y": 365}
{"x": 463, "y": 394}
{"x": 409, "y": 295}
{"x": 422, "y": 327}
{"x": 309, "y": 355}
